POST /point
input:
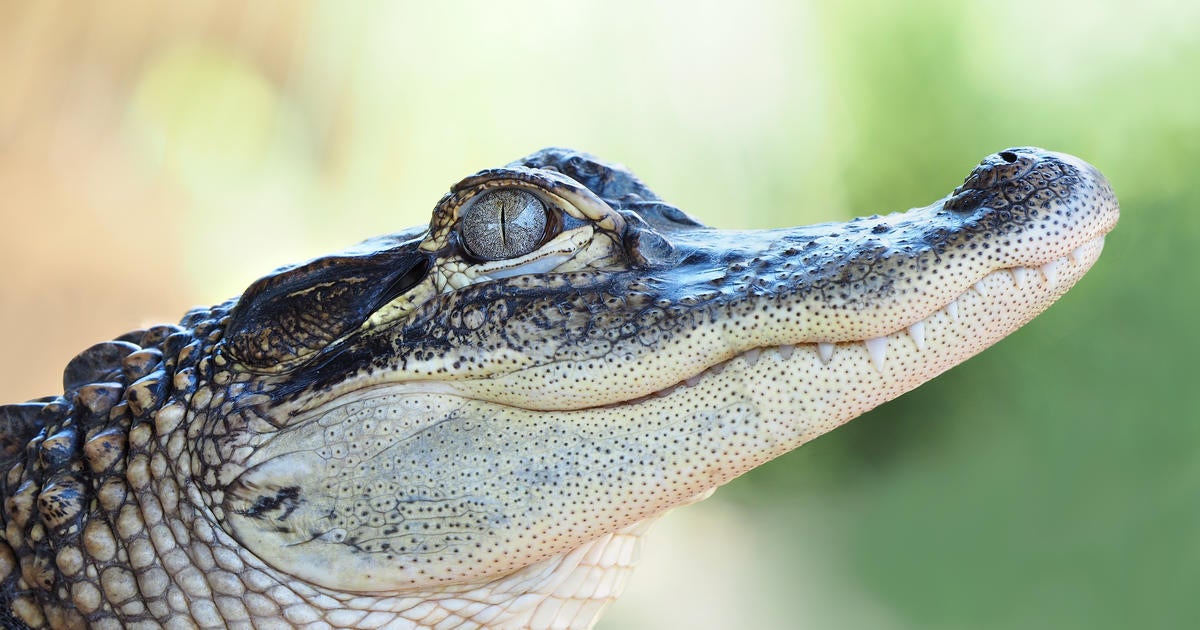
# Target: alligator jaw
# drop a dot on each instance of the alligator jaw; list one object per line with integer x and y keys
{"x": 986, "y": 295}
{"x": 851, "y": 377}
{"x": 834, "y": 285}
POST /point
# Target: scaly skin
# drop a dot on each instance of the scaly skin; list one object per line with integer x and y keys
{"x": 472, "y": 425}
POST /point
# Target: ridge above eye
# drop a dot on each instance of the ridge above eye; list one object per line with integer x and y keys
{"x": 503, "y": 223}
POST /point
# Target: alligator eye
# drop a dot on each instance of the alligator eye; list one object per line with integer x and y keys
{"x": 503, "y": 224}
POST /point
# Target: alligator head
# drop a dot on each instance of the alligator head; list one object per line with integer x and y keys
{"x": 474, "y": 422}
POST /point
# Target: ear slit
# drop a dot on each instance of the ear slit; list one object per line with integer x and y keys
{"x": 404, "y": 283}
{"x": 290, "y": 316}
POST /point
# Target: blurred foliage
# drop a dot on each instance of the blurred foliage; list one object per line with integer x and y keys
{"x": 152, "y": 156}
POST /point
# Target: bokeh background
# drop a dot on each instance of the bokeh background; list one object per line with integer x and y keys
{"x": 159, "y": 155}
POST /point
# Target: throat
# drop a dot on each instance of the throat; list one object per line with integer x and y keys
{"x": 567, "y": 591}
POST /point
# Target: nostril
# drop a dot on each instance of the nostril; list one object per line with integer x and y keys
{"x": 1008, "y": 156}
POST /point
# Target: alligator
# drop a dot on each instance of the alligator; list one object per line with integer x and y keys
{"x": 472, "y": 424}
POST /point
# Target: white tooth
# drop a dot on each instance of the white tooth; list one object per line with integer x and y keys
{"x": 752, "y": 356}
{"x": 952, "y": 310}
{"x": 785, "y": 351}
{"x": 1018, "y": 275}
{"x": 917, "y": 332}
{"x": 980, "y": 289}
{"x": 825, "y": 349}
{"x": 1077, "y": 255}
{"x": 877, "y": 348}
{"x": 1050, "y": 271}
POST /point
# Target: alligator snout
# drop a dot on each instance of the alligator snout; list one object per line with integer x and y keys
{"x": 1009, "y": 170}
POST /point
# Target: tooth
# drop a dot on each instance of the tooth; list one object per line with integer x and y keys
{"x": 952, "y": 310}
{"x": 825, "y": 349}
{"x": 1077, "y": 255}
{"x": 785, "y": 351}
{"x": 663, "y": 393}
{"x": 1050, "y": 271}
{"x": 917, "y": 332}
{"x": 877, "y": 348}
{"x": 1018, "y": 275}
{"x": 752, "y": 357}
{"x": 692, "y": 380}
{"x": 980, "y": 289}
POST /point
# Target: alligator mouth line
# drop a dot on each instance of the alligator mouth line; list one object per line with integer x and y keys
{"x": 1047, "y": 274}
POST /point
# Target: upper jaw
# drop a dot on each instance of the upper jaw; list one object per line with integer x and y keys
{"x": 716, "y": 294}
{"x": 703, "y": 296}
{"x": 1020, "y": 208}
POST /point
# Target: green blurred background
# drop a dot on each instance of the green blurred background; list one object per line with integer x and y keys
{"x": 157, "y": 156}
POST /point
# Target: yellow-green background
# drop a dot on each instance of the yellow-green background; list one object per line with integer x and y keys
{"x": 154, "y": 156}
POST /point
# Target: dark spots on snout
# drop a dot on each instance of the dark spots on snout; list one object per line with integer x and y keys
{"x": 285, "y": 499}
